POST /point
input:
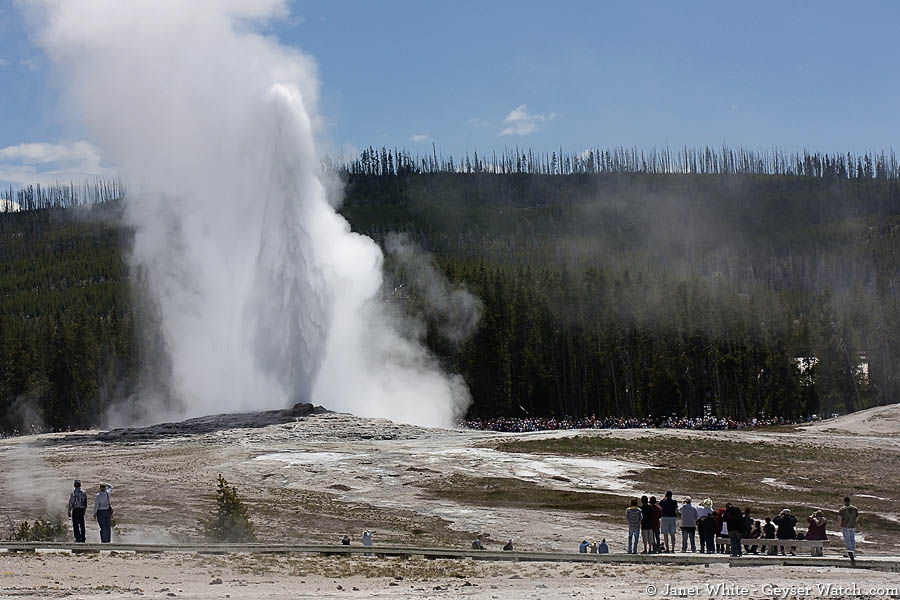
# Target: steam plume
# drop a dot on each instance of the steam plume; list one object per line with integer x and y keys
{"x": 265, "y": 296}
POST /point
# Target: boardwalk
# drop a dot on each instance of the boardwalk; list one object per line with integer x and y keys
{"x": 881, "y": 563}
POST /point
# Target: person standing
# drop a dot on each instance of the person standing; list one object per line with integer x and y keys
{"x": 703, "y": 510}
{"x": 709, "y": 527}
{"x": 748, "y": 528}
{"x": 816, "y": 530}
{"x": 103, "y": 513}
{"x": 669, "y": 513}
{"x": 734, "y": 519}
{"x": 647, "y": 515}
{"x": 769, "y": 534}
{"x": 785, "y": 522}
{"x": 755, "y": 534}
{"x": 657, "y": 519}
{"x": 848, "y": 514}
{"x": 688, "y": 525}
{"x": 77, "y": 508}
{"x": 633, "y": 517}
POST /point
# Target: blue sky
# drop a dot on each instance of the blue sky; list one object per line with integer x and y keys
{"x": 489, "y": 74}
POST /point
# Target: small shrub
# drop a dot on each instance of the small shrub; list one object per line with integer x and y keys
{"x": 42, "y": 530}
{"x": 230, "y": 520}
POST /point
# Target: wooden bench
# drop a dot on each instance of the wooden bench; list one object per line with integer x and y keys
{"x": 773, "y": 546}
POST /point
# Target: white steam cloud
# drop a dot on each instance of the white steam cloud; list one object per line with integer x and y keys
{"x": 454, "y": 309}
{"x": 265, "y": 296}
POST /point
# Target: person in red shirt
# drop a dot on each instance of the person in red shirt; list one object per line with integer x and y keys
{"x": 816, "y": 529}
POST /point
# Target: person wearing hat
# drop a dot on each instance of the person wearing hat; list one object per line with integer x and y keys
{"x": 816, "y": 529}
{"x": 688, "y": 525}
{"x": 103, "y": 513}
{"x": 77, "y": 507}
{"x": 785, "y": 522}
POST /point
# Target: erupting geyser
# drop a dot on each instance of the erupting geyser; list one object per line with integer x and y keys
{"x": 265, "y": 296}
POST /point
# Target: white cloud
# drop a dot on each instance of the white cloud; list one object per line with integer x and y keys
{"x": 3, "y": 62}
{"x": 39, "y": 162}
{"x": 419, "y": 137}
{"x": 520, "y": 122}
{"x": 30, "y": 63}
{"x": 40, "y": 152}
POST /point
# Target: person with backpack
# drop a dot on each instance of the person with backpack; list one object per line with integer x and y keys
{"x": 103, "y": 511}
{"x": 77, "y": 508}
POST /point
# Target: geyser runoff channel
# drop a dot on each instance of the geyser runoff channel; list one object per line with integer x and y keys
{"x": 265, "y": 296}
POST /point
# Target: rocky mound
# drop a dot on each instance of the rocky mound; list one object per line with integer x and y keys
{"x": 211, "y": 423}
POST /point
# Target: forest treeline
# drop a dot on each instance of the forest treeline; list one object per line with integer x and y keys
{"x": 684, "y": 161}
{"x": 613, "y": 292}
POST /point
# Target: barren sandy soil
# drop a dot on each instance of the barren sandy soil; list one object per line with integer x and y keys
{"x": 325, "y": 475}
{"x": 259, "y": 576}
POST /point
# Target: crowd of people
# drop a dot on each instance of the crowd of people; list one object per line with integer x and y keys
{"x": 652, "y": 526}
{"x": 523, "y": 424}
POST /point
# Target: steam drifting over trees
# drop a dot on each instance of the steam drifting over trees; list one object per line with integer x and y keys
{"x": 613, "y": 282}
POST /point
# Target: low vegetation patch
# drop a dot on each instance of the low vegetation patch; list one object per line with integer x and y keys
{"x": 509, "y": 492}
{"x": 40, "y": 530}
{"x": 230, "y": 520}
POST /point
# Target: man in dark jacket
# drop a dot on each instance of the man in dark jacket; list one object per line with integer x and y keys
{"x": 734, "y": 518}
{"x": 77, "y": 507}
{"x": 748, "y": 527}
{"x": 785, "y": 522}
{"x": 768, "y": 531}
{"x": 648, "y": 513}
{"x": 657, "y": 518}
{"x": 709, "y": 526}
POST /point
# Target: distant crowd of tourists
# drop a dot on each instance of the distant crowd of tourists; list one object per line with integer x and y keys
{"x": 652, "y": 525}
{"x": 523, "y": 424}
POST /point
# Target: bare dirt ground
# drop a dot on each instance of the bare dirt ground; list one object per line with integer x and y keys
{"x": 282, "y": 578}
{"x": 322, "y": 476}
